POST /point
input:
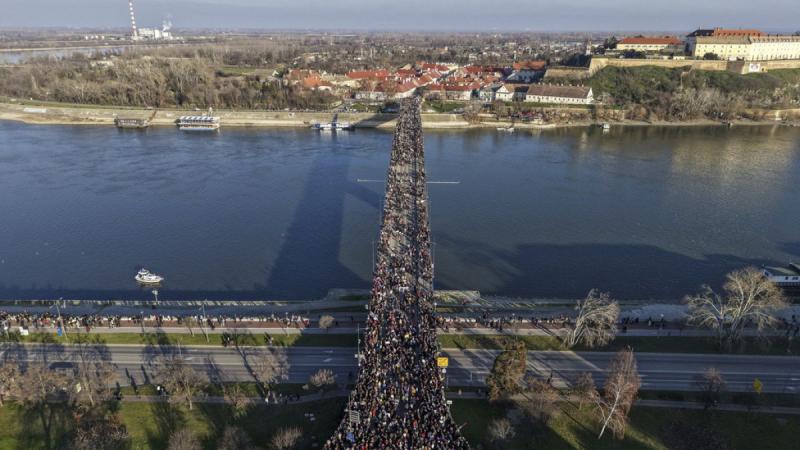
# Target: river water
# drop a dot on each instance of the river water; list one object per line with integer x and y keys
{"x": 280, "y": 213}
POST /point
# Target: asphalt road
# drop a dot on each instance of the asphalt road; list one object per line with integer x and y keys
{"x": 662, "y": 371}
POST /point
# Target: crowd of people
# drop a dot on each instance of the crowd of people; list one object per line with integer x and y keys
{"x": 398, "y": 401}
{"x": 50, "y": 320}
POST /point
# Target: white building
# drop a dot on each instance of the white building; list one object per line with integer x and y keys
{"x": 563, "y": 95}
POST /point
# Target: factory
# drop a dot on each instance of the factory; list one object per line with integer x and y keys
{"x": 149, "y": 34}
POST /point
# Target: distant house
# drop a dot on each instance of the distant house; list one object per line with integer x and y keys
{"x": 460, "y": 92}
{"x": 566, "y": 95}
{"x": 368, "y": 74}
{"x": 650, "y": 44}
{"x": 404, "y": 90}
{"x": 488, "y": 93}
{"x": 527, "y": 71}
{"x": 511, "y": 92}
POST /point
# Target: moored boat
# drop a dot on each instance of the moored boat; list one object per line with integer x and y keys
{"x": 144, "y": 276}
{"x": 198, "y": 123}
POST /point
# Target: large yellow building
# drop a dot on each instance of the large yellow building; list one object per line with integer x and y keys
{"x": 745, "y": 45}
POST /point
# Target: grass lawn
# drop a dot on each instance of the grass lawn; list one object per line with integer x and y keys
{"x": 665, "y": 344}
{"x": 279, "y": 339}
{"x": 650, "y": 428}
{"x": 149, "y": 425}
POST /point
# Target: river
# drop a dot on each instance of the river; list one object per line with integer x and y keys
{"x": 642, "y": 212}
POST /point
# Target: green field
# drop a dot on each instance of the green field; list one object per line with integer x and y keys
{"x": 665, "y": 344}
{"x": 149, "y": 425}
{"x": 215, "y": 339}
{"x": 650, "y": 428}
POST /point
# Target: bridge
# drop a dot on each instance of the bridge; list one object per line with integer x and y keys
{"x": 398, "y": 401}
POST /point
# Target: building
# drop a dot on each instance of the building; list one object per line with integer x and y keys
{"x": 719, "y": 36}
{"x": 565, "y": 95}
{"x": 747, "y": 48}
{"x": 729, "y": 48}
{"x": 511, "y": 92}
{"x": 527, "y": 71}
{"x": 651, "y": 44}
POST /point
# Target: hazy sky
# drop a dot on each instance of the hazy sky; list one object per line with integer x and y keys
{"x": 483, "y": 15}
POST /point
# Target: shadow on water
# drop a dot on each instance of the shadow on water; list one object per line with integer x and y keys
{"x": 310, "y": 252}
{"x": 570, "y": 271}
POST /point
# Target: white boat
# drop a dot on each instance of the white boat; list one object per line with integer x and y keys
{"x": 198, "y": 123}
{"x": 606, "y": 126}
{"x": 332, "y": 126}
{"x": 506, "y": 129}
{"x": 146, "y": 277}
{"x": 786, "y": 276}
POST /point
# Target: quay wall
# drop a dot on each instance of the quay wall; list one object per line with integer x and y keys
{"x": 75, "y": 114}
{"x": 740, "y": 67}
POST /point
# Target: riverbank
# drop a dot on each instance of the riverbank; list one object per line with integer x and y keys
{"x": 60, "y": 114}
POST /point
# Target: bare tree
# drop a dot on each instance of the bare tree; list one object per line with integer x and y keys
{"x": 539, "y": 400}
{"x": 238, "y": 399}
{"x": 749, "y": 299}
{"x": 269, "y": 366}
{"x": 235, "y": 438}
{"x": 100, "y": 433}
{"x": 9, "y": 380}
{"x": 93, "y": 373}
{"x": 189, "y": 322}
{"x": 286, "y": 438}
{"x": 46, "y": 392}
{"x": 710, "y": 384}
{"x": 323, "y": 379}
{"x": 184, "y": 439}
{"x": 325, "y": 322}
{"x": 178, "y": 376}
{"x": 501, "y": 430}
{"x": 596, "y": 323}
{"x": 619, "y": 392}
{"x": 583, "y": 388}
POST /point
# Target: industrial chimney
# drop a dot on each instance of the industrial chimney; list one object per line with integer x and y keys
{"x": 135, "y": 35}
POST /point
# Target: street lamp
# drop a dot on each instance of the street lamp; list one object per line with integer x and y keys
{"x": 155, "y": 294}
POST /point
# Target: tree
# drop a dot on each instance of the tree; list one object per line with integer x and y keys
{"x": 322, "y": 379}
{"x": 539, "y": 401}
{"x": 9, "y": 380}
{"x": 268, "y": 367}
{"x": 749, "y": 298}
{"x": 508, "y": 370}
{"x": 711, "y": 56}
{"x": 501, "y": 430}
{"x": 596, "y": 323}
{"x": 184, "y": 439}
{"x": 286, "y": 438}
{"x": 46, "y": 392}
{"x": 710, "y": 384}
{"x": 583, "y": 388}
{"x": 619, "y": 392}
{"x": 180, "y": 379}
{"x": 105, "y": 433}
{"x": 92, "y": 372}
{"x": 326, "y": 322}
{"x": 237, "y": 398}
{"x": 235, "y": 438}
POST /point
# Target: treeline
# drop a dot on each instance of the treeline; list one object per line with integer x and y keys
{"x": 153, "y": 81}
{"x": 657, "y": 93}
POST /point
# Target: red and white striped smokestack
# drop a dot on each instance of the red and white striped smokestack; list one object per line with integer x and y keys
{"x": 133, "y": 20}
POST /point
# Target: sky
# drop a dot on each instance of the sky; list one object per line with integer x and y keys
{"x": 410, "y": 15}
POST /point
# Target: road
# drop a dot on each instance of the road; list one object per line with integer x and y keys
{"x": 659, "y": 371}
